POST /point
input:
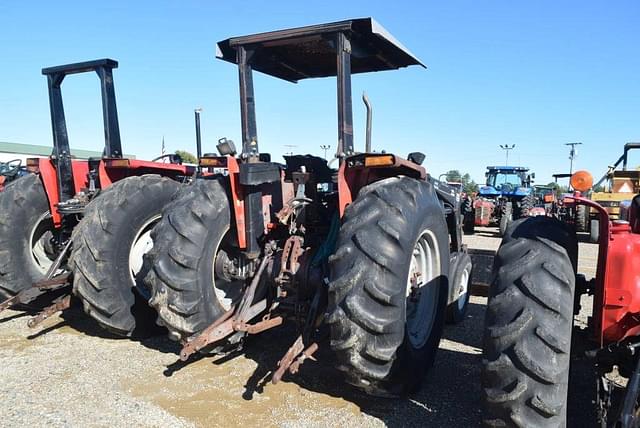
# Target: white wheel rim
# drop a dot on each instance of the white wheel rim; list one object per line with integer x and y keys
{"x": 463, "y": 287}
{"x": 227, "y": 293}
{"x": 39, "y": 256}
{"x": 422, "y": 289}
{"x": 142, "y": 244}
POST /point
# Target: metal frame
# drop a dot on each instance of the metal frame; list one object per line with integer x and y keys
{"x": 345, "y": 108}
{"x": 61, "y": 150}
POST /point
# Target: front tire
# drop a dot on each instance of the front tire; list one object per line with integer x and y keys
{"x": 108, "y": 245}
{"x": 527, "y": 337}
{"x": 460, "y": 279}
{"x": 25, "y": 228}
{"x": 388, "y": 289}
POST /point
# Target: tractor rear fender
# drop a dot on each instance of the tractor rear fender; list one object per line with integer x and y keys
{"x": 112, "y": 170}
{"x": 359, "y": 170}
{"x": 604, "y": 267}
{"x": 46, "y": 169}
{"x": 362, "y": 169}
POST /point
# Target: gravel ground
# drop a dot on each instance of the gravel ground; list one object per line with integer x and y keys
{"x": 70, "y": 373}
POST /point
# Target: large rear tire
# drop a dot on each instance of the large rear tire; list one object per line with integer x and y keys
{"x": 527, "y": 337}
{"x": 108, "y": 245}
{"x": 25, "y": 229}
{"x": 388, "y": 289}
{"x": 186, "y": 292}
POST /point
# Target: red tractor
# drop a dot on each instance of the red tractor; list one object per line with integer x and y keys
{"x": 56, "y": 209}
{"x": 529, "y": 323}
{"x": 368, "y": 255}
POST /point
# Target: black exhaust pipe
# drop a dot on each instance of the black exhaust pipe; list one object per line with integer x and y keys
{"x": 198, "y": 137}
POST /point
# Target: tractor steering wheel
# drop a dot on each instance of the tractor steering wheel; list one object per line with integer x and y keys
{"x": 10, "y": 168}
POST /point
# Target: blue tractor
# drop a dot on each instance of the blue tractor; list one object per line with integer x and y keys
{"x": 506, "y": 196}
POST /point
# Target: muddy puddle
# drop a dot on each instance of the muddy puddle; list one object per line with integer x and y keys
{"x": 208, "y": 394}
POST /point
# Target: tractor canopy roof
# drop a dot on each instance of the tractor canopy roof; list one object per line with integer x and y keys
{"x": 307, "y": 52}
{"x": 507, "y": 168}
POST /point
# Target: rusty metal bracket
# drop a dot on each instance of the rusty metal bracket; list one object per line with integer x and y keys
{"x": 306, "y": 355}
{"x": 259, "y": 327}
{"x": 60, "y": 304}
{"x": 39, "y": 288}
{"x": 221, "y": 328}
{"x": 287, "y": 360}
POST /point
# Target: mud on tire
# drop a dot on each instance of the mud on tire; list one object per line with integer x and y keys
{"x": 369, "y": 281}
{"x": 107, "y": 278}
{"x": 25, "y": 222}
{"x": 181, "y": 278}
{"x": 528, "y": 325}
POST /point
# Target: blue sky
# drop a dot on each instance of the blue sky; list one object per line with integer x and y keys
{"x": 537, "y": 74}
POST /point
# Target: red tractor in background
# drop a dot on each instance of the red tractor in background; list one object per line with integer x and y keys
{"x": 368, "y": 255}
{"x": 43, "y": 211}
{"x": 536, "y": 292}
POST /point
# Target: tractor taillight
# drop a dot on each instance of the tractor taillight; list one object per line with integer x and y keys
{"x": 33, "y": 165}
{"x": 217, "y": 162}
{"x": 118, "y": 163}
{"x": 581, "y": 181}
{"x": 383, "y": 160}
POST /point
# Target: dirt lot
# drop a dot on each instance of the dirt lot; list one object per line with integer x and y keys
{"x": 70, "y": 373}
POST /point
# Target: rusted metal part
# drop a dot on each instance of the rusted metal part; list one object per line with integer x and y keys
{"x": 307, "y": 354}
{"x": 284, "y": 214}
{"x": 289, "y": 264}
{"x": 247, "y": 297}
{"x": 49, "y": 283}
{"x": 287, "y": 360}
{"x": 36, "y": 290}
{"x": 60, "y": 304}
{"x": 10, "y": 301}
{"x": 216, "y": 331}
{"x": 258, "y": 327}
{"x": 221, "y": 328}
{"x": 53, "y": 283}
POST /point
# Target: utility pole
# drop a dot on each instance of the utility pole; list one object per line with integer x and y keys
{"x": 506, "y": 148}
{"x": 325, "y": 147}
{"x": 572, "y": 154}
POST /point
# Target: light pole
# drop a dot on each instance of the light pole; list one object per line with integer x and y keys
{"x": 325, "y": 147}
{"x": 572, "y": 154}
{"x": 506, "y": 148}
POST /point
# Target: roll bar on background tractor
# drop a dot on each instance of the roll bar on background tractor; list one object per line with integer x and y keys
{"x": 61, "y": 150}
